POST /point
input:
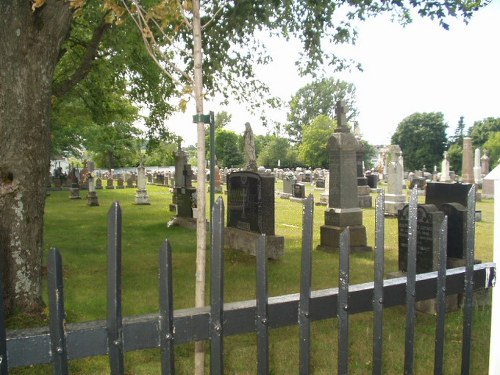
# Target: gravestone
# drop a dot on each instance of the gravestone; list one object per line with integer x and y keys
{"x": 218, "y": 185}
{"x": 467, "y": 169}
{"x": 288, "y": 183}
{"x": 320, "y": 183}
{"x": 141, "y": 194}
{"x": 445, "y": 169}
{"x": 429, "y": 220}
{"x": 299, "y": 190}
{"x": 74, "y": 190}
{"x": 457, "y": 230}
{"x": 109, "y": 183}
{"x": 185, "y": 202}
{"x": 343, "y": 207}
{"x": 250, "y": 213}
{"x": 249, "y": 149}
{"x": 364, "y": 197}
{"x": 372, "y": 180}
{"x": 477, "y": 166}
{"x": 130, "y": 182}
{"x": 439, "y": 193}
{"x": 92, "y": 199}
{"x": 394, "y": 199}
{"x": 98, "y": 183}
{"x": 119, "y": 183}
{"x": 485, "y": 163}
{"x": 180, "y": 162}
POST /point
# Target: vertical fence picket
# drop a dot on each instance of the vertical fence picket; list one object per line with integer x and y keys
{"x": 378, "y": 292}
{"x": 217, "y": 290}
{"x": 4, "y": 366}
{"x": 441, "y": 298}
{"x": 469, "y": 282}
{"x": 343, "y": 303}
{"x": 114, "y": 313}
{"x": 57, "y": 314}
{"x": 166, "y": 310}
{"x": 411, "y": 273}
{"x": 261, "y": 320}
{"x": 305, "y": 286}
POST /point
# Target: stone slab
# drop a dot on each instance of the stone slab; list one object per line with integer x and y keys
{"x": 330, "y": 238}
{"x": 246, "y": 241}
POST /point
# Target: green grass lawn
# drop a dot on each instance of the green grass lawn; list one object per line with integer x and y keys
{"x": 80, "y": 233}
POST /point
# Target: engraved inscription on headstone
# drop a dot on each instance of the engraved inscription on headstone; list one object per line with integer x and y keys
{"x": 250, "y": 203}
{"x": 429, "y": 220}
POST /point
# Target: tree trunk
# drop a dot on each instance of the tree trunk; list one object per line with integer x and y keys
{"x": 30, "y": 42}
{"x": 201, "y": 223}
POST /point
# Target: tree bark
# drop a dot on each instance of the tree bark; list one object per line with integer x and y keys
{"x": 30, "y": 42}
{"x": 201, "y": 223}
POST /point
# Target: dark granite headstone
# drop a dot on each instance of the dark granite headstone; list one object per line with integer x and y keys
{"x": 250, "y": 203}
{"x": 288, "y": 186}
{"x": 185, "y": 198}
{"x": 439, "y": 193}
{"x": 372, "y": 180}
{"x": 457, "y": 229}
{"x": 299, "y": 190}
{"x": 429, "y": 220}
{"x": 109, "y": 183}
{"x": 98, "y": 183}
{"x": 419, "y": 182}
{"x": 119, "y": 183}
{"x": 320, "y": 183}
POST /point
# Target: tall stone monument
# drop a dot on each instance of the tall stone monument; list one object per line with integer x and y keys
{"x": 92, "y": 199}
{"x": 445, "y": 168}
{"x": 343, "y": 208}
{"x": 485, "y": 164}
{"x": 394, "y": 199}
{"x": 467, "y": 169}
{"x": 141, "y": 194}
{"x": 364, "y": 197}
{"x": 477, "y": 166}
{"x": 249, "y": 149}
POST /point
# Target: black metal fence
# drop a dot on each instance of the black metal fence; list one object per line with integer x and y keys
{"x": 61, "y": 342}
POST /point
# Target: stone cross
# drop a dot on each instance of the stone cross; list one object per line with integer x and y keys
{"x": 341, "y": 118}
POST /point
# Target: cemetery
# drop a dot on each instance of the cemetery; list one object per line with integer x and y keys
{"x": 85, "y": 265}
{"x": 258, "y": 201}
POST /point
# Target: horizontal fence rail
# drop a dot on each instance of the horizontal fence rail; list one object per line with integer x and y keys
{"x": 61, "y": 342}
{"x": 32, "y": 346}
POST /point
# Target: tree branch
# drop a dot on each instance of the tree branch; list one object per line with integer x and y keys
{"x": 86, "y": 62}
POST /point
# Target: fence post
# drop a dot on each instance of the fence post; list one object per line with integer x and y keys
{"x": 469, "y": 281}
{"x": 411, "y": 273}
{"x": 441, "y": 298}
{"x": 378, "y": 291}
{"x": 261, "y": 319}
{"x": 343, "y": 303}
{"x": 166, "y": 311}
{"x": 57, "y": 314}
{"x": 114, "y": 314}
{"x": 305, "y": 286}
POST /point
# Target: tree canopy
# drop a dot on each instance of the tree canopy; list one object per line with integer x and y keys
{"x": 318, "y": 98}
{"x": 422, "y": 138}
{"x": 312, "y": 150}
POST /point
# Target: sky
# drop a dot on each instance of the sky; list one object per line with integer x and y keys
{"x": 417, "y": 68}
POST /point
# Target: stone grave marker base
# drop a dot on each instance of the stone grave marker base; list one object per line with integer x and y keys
{"x": 330, "y": 238}
{"x": 246, "y": 241}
